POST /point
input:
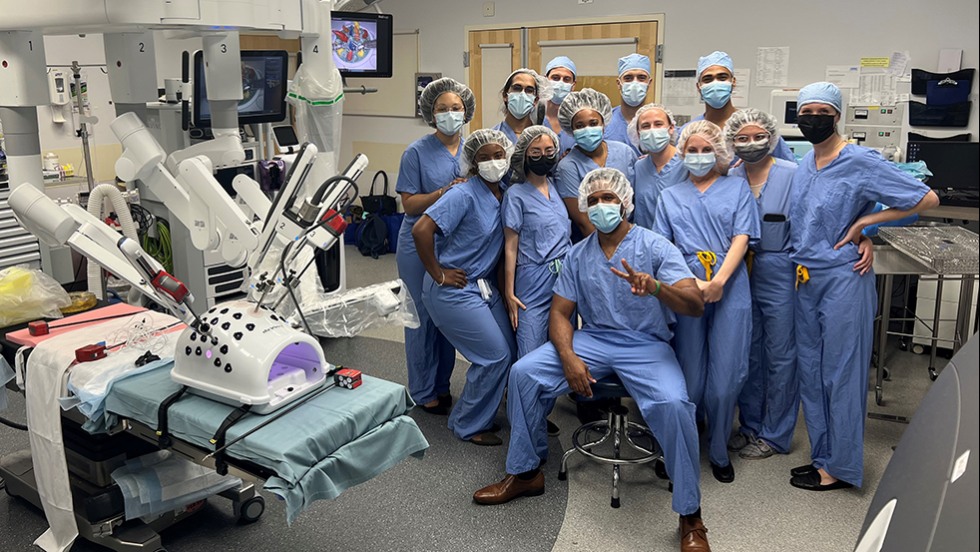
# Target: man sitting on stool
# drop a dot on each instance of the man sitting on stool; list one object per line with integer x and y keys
{"x": 626, "y": 332}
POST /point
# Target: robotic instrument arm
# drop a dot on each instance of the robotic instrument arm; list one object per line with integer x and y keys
{"x": 71, "y": 225}
{"x": 194, "y": 196}
{"x": 294, "y": 223}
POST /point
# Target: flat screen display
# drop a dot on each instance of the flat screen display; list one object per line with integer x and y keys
{"x": 264, "y": 75}
{"x": 789, "y": 115}
{"x": 954, "y": 165}
{"x": 362, "y": 44}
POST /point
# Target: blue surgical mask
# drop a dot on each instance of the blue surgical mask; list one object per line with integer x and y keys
{"x": 699, "y": 164}
{"x": 560, "y": 90}
{"x": 449, "y": 122}
{"x": 605, "y": 216}
{"x": 654, "y": 140}
{"x": 634, "y": 92}
{"x": 717, "y": 93}
{"x": 519, "y": 104}
{"x": 588, "y": 138}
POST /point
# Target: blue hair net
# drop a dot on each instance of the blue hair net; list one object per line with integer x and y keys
{"x": 716, "y": 58}
{"x": 634, "y": 61}
{"x": 561, "y": 61}
{"x": 820, "y": 92}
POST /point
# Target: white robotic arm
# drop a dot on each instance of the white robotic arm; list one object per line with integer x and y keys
{"x": 71, "y": 225}
{"x": 194, "y": 196}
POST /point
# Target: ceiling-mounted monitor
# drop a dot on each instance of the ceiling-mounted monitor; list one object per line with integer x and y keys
{"x": 362, "y": 43}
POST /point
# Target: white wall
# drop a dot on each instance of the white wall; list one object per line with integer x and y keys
{"x": 90, "y": 50}
{"x": 87, "y": 50}
{"x": 832, "y": 32}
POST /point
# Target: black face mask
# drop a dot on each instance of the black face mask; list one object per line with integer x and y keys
{"x": 752, "y": 153}
{"x": 542, "y": 165}
{"x": 816, "y": 128}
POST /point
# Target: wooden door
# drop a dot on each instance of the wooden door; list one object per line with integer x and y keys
{"x": 494, "y": 54}
{"x": 595, "y": 49}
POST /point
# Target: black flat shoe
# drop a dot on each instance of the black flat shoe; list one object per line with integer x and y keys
{"x": 553, "y": 429}
{"x": 724, "y": 474}
{"x": 811, "y": 482}
{"x": 438, "y": 410}
{"x": 486, "y": 439}
{"x": 802, "y": 470}
{"x": 445, "y": 400}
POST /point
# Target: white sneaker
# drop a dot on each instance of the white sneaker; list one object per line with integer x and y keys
{"x": 756, "y": 450}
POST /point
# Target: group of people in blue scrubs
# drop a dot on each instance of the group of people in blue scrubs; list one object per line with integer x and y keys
{"x": 699, "y": 264}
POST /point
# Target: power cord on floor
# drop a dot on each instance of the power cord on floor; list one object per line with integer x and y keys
{"x": 12, "y": 424}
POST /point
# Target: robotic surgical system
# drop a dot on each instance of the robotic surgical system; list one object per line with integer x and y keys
{"x": 269, "y": 239}
{"x": 258, "y": 353}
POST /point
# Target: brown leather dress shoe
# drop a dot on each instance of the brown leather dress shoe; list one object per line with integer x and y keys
{"x": 509, "y": 488}
{"x": 694, "y": 535}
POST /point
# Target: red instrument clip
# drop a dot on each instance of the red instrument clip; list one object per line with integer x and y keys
{"x": 171, "y": 286}
{"x": 38, "y": 327}
{"x": 335, "y": 223}
{"x": 89, "y": 353}
{"x": 347, "y": 378}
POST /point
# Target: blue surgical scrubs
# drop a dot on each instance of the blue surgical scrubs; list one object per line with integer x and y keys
{"x": 509, "y": 132}
{"x": 565, "y": 139}
{"x": 425, "y": 167}
{"x": 576, "y": 164}
{"x": 835, "y": 309}
{"x": 471, "y": 238}
{"x": 623, "y": 334}
{"x": 567, "y": 142}
{"x": 770, "y": 398}
{"x": 714, "y": 349}
{"x": 782, "y": 150}
{"x": 616, "y": 129}
{"x": 544, "y": 236}
{"x": 648, "y": 184}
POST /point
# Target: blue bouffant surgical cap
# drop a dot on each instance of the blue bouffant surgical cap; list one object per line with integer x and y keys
{"x": 716, "y": 58}
{"x": 820, "y": 92}
{"x": 634, "y": 61}
{"x": 561, "y": 61}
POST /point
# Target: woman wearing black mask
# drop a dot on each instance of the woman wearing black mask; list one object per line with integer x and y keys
{"x": 833, "y": 192}
{"x": 537, "y": 235}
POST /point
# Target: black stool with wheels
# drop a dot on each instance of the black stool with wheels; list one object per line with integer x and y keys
{"x": 617, "y": 429}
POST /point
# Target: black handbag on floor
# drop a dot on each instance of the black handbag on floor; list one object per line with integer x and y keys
{"x": 382, "y": 204}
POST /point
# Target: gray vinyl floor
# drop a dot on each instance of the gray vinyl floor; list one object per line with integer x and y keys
{"x": 426, "y": 504}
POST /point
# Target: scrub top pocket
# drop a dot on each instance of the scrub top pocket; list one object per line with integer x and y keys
{"x": 775, "y": 235}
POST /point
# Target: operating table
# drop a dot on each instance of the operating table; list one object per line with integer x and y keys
{"x": 336, "y": 439}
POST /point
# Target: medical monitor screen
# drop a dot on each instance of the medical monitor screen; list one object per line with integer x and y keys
{"x": 954, "y": 165}
{"x": 264, "y": 75}
{"x": 789, "y": 115}
{"x": 362, "y": 44}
